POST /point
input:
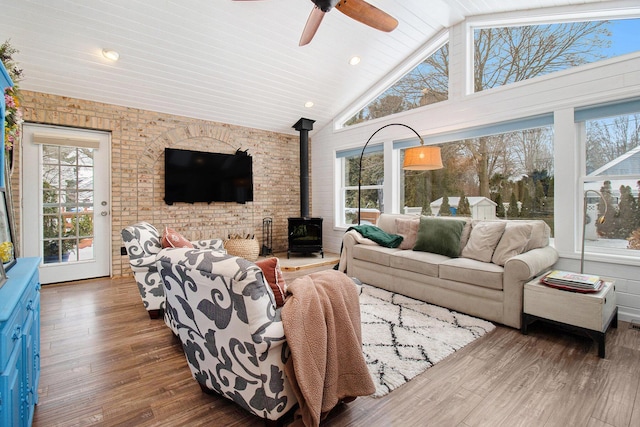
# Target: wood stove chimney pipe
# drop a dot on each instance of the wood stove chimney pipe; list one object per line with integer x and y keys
{"x": 304, "y": 126}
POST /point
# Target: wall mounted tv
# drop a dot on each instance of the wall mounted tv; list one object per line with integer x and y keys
{"x": 197, "y": 176}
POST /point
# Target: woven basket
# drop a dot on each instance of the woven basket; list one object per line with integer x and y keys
{"x": 244, "y": 248}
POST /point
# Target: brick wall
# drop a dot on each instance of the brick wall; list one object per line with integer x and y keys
{"x": 138, "y": 139}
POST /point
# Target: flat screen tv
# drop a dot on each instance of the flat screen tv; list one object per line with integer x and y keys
{"x": 197, "y": 176}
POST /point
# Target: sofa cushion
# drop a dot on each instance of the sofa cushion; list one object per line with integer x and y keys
{"x": 513, "y": 241}
{"x": 419, "y": 262}
{"x": 439, "y": 236}
{"x": 408, "y": 229}
{"x": 376, "y": 254}
{"x": 273, "y": 276}
{"x": 473, "y": 272}
{"x": 172, "y": 239}
{"x": 483, "y": 240}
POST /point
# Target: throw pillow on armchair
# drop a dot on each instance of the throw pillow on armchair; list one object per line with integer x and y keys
{"x": 273, "y": 275}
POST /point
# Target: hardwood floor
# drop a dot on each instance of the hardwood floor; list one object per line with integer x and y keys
{"x": 105, "y": 363}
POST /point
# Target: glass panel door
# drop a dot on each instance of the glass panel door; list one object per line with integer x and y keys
{"x": 66, "y": 198}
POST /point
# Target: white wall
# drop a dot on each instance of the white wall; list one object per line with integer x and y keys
{"x": 560, "y": 93}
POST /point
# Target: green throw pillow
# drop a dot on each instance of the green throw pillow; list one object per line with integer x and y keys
{"x": 439, "y": 236}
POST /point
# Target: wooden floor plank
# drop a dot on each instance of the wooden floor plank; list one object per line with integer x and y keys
{"x": 618, "y": 391}
{"x": 104, "y": 363}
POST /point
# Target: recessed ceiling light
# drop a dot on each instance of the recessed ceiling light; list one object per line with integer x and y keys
{"x": 308, "y": 104}
{"x": 355, "y": 60}
{"x": 110, "y": 54}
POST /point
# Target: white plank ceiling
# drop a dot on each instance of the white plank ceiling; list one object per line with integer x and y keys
{"x": 235, "y": 62}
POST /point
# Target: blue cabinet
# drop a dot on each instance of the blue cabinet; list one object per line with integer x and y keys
{"x": 20, "y": 343}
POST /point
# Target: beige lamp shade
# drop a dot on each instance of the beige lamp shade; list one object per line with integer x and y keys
{"x": 422, "y": 158}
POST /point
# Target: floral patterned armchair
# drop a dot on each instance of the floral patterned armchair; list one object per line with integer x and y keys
{"x": 143, "y": 243}
{"x": 230, "y": 328}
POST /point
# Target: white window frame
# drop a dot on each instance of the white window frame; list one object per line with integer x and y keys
{"x": 341, "y": 160}
{"x": 535, "y": 17}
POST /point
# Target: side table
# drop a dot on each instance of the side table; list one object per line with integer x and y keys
{"x": 586, "y": 313}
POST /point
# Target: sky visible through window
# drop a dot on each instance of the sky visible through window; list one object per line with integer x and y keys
{"x": 625, "y": 37}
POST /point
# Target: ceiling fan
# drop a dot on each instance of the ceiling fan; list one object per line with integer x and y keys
{"x": 359, "y": 10}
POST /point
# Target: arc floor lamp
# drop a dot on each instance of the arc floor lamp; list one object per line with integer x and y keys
{"x": 422, "y": 157}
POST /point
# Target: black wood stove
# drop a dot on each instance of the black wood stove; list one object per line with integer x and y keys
{"x": 305, "y": 233}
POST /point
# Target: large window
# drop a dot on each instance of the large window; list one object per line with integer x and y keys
{"x": 504, "y": 55}
{"x": 426, "y": 84}
{"x": 611, "y": 180}
{"x": 371, "y": 200}
{"x": 494, "y": 175}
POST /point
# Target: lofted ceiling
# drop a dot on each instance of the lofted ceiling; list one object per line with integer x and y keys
{"x": 235, "y": 62}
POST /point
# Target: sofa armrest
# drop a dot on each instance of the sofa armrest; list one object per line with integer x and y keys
{"x": 529, "y": 264}
{"x": 209, "y": 244}
{"x": 517, "y": 271}
{"x": 143, "y": 263}
{"x": 349, "y": 240}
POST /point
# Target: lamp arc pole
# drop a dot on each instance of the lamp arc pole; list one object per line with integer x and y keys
{"x": 365, "y": 147}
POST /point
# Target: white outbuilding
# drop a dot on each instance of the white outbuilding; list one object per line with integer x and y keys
{"x": 481, "y": 207}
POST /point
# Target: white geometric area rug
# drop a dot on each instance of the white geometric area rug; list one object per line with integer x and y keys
{"x": 402, "y": 337}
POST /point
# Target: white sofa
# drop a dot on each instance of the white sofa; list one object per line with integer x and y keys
{"x": 486, "y": 280}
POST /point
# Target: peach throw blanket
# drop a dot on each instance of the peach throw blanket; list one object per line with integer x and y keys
{"x": 321, "y": 320}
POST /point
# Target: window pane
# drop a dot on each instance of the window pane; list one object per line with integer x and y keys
{"x": 371, "y": 196}
{"x": 609, "y": 144}
{"x": 508, "y": 175}
{"x": 372, "y": 169}
{"x": 426, "y": 84}
{"x": 85, "y": 225}
{"x": 612, "y": 183}
{"x": 85, "y": 178}
{"x": 51, "y": 227}
{"x": 371, "y": 206}
{"x": 85, "y": 156}
{"x": 51, "y": 176}
{"x": 505, "y": 55}
{"x": 50, "y": 154}
{"x": 85, "y": 200}
{"x": 68, "y": 155}
{"x": 611, "y": 221}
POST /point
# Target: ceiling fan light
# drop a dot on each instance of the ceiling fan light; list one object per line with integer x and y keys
{"x": 110, "y": 54}
{"x": 422, "y": 158}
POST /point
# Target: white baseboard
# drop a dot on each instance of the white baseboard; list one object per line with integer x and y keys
{"x": 628, "y": 315}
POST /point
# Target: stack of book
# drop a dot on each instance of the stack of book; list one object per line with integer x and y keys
{"x": 576, "y": 282}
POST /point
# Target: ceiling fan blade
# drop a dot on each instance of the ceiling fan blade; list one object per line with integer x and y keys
{"x": 310, "y": 28}
{"x": 368, "y": 14}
